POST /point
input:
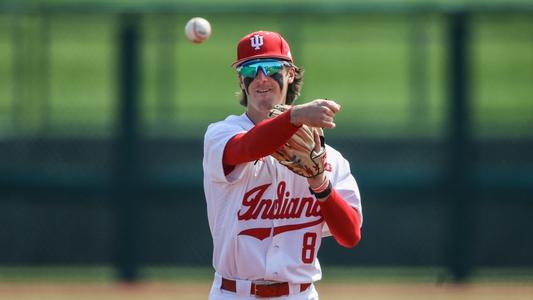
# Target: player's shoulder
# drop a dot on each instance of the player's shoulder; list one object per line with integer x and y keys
{"x": 334, "y": 156}
{"x": 339, "y": 165}
{"x": 229, "y": 124}
{"x": 332, "y": 151}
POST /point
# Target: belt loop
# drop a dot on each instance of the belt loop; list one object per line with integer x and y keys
{"x": 294, "y": 289}
{"x": 217, "y": 280}
{"x": 298, "y": 288}
{"x": 243, "y": 287}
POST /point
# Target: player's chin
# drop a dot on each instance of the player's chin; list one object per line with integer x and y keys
{"x": 267, "y": 102}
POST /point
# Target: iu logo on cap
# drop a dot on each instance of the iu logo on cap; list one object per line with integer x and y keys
{"x": 257, "y": 41}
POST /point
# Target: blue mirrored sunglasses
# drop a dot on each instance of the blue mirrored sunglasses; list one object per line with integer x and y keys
{"x": 269, "y": 67}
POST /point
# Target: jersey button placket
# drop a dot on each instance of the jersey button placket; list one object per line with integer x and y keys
{"x": 273, "y": 250}
{"x": 271, "y": 255}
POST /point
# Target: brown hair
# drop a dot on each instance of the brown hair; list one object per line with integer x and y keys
{"x": 293, "y": 90}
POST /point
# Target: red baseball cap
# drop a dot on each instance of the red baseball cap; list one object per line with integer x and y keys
{"x": 262, "y": 44}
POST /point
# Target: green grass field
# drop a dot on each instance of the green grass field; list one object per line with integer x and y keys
{"x": 106, "y": 274}
{"x": 192, "y": 283}
{"x": 362, "y": 61}
{"x": 198, "y": 291}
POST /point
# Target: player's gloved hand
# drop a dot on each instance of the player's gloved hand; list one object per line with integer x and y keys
{"x": 305, "y": 152}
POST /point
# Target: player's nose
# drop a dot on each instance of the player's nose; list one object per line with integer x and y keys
{"x": 261, "y": 75}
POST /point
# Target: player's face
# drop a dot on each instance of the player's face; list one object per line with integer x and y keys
{"x": 265, "y": 90}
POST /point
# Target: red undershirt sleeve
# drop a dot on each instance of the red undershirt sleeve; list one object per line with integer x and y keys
{"x": 262, "y": 140}
{"x": 343, "y": 220}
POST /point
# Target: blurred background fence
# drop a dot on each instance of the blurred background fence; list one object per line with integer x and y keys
{"x": 103, "y": 109}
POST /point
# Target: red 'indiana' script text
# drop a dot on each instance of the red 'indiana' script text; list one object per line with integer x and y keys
{"x": 283, "y": 207}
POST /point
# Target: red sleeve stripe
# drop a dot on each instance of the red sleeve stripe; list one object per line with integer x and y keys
{"x": 343, "y": 220}
{"x": 262, "y": 140}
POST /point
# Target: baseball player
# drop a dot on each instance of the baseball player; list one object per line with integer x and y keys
{"x": 269, "y": 202}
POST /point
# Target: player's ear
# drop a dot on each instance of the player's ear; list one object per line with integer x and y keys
{"x": 291, "y": 73}
{"x": 241, "y": 83}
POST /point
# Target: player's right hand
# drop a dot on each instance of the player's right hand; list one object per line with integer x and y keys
{"x": 317, "y": 113}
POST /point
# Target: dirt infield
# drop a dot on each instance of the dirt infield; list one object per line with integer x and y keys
{"x": 200, "y": 290}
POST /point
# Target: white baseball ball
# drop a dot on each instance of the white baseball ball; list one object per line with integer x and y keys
{"x": 198, "y": 30}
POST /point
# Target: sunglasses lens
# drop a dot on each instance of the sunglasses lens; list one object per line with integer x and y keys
{"x": 269, "y": 68}
{"x": 248, "y": 71}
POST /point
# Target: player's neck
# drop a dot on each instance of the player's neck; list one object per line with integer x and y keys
{"x": 254, "y": 117}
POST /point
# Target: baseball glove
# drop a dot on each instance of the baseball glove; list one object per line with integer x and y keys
{"x": 301, "y": 154}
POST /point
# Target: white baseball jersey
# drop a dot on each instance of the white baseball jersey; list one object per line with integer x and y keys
{"x": 265, "y": 223}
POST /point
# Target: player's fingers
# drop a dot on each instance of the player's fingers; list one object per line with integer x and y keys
{"x": 328, "y": 124}
{"x": 329, "y": 121}
{"x": 332, "y": 105}
{"x": 316, "y": 137}
{"x": 327, "y": 111}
